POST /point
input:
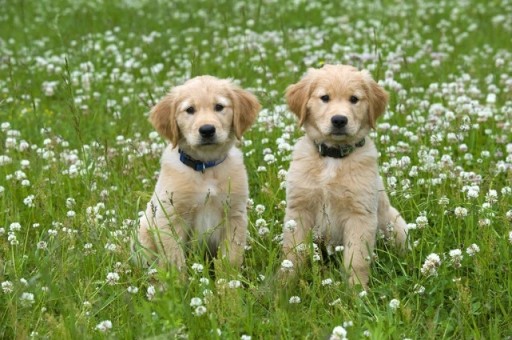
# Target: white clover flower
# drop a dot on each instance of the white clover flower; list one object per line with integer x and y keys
{"x": 290, "y": 225}
{"x": 269, "y": 158}
{"x": 15, "y": 226}
{"x": 316, "y": 257}
{"x": 29, "y": 201}
{"x": 294, "y": 300}
{"x": 484, "y": 222}
{"x": 339, "y": 249}
{"x": 394, "y": 304}
{"x": 260, "y": 209}
{"x": 367, "y": 334}
{"x": 508, "y": 215}
{"x": 263, "y": 231}
{"x": 195, "y": 301}
{"x": 200, "y": 310}
{"x": 412, "y": 226}
{"x": 133, "y": 290}
{"x": 422, "y": 221}
{"x": 287, "y": 265}
{"x": 2, "y": 189}
{"x": 4, "y": 160}
{"x": 245, "y": 337}
{"x": 505, "y": 191}
{"x": 5, "y": 126}
{"x": 110, "y": 247}
{"x": 70, "y": 202}
{"x": 250, "y": 203}
{"x": 204, "y": 281}
{"x": 363, "y": 293}
{"x": 27, "y": 299}
{"x": 12, "y": 239}
{"x": 347, "y": 324}
{"x": 112, "y": 278}
{"x": 281, "y": 174}
{"x": 327, "y": 282}
{"x": 510, "y": 237}
{"x": 338, "y": 333}
{"x": 24, "y": 281}
{"x": 444, "y": 200}
{"x": 472, "y": 193}
{"x": 419, "y": 289}
{"x": 197, "y": 267}
{"x": 261, "y": 168}
{"x": 234, "y": 284}
{"x": 42, "y": 245}
{"x": 260, "y": 222}
{"x": 472, "y": 249}
{"x": 7, "y": 287}
{"x": 150, "y": 292}
{"x": 456, "y": 257}
{"x": 431, "y": 264}
{"x": 104, "y": 326}
{"x": 492, "y": 196}
{"x": 460, "y": 212}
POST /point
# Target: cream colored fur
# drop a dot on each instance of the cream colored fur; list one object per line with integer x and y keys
{"x": 188, "y": 207}
{"x": 338, "y": 201}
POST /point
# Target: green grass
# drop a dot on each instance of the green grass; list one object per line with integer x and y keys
{"x": 89, "y": 140}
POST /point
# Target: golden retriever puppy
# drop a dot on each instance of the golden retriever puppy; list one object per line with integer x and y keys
{"x": 334, "y": 191}
{"x": 201, "y": 193}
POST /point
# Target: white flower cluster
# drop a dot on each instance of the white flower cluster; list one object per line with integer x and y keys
{"x": 431, "y": 265}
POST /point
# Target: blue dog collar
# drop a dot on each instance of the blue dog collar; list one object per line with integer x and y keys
{"x": 198, "y": 165}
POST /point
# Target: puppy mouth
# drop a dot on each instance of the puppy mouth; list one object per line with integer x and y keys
{"x": 339, "y": 132}
{"x": 205, "y": 142}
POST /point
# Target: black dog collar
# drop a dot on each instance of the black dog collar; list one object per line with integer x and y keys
{"x": 338, "y": 151}
{"x": 198, "y": 165}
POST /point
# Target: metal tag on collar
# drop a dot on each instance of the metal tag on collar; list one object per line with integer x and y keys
{"x": 204, "y": 167}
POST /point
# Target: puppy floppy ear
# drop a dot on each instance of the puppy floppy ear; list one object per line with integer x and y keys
{"x": 245, "y": 110}
{"x": 297, "y": 96}
{"x": 377, "y": 98}
{"x": 163, "y": 118}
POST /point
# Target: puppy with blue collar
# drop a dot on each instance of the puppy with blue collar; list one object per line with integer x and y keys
{"x": 200, "y": 198}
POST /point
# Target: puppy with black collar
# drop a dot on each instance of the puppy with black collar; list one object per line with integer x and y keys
{"x": 335, "y": 194}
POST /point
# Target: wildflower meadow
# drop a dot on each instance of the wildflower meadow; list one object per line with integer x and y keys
{"x": 79, "y": 161}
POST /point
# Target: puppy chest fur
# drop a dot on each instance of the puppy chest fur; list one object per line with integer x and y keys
{"x": 334, "y": 191}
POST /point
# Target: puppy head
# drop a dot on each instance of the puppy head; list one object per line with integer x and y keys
{"x": 204, "y": 112}
{"x": 337, "y": 103}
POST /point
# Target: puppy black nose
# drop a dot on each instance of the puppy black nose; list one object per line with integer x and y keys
{"x": 339, "y": 121}
{"x": 207, "y": 131}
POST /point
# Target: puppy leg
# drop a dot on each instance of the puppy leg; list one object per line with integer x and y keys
{"x": 391, "y": 222}
{"x": 234, "y": 240}
{"x": 296, "y": 230}
{"x": 161, "y": 235}
{"x": 359, "y": 241}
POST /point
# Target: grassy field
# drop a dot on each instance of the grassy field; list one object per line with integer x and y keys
{"x": 79, "y": 160}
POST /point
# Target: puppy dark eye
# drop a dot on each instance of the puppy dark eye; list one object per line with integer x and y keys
{"x": 190, "y": 110}
{"x": 354, "y": 99}
{"x": 218, "y": 107}
{"x": 325, "y": 98}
